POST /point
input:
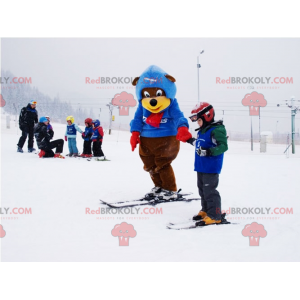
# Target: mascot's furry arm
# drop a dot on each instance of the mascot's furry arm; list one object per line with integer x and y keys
{"x": 136, "y": 126}
{"x": 137, "y": 123}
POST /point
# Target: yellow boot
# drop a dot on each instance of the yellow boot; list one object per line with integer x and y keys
{"x": 201, "y": 215}
{"x": 209, "y": 221}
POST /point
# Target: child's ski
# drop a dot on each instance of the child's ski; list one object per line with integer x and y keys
{"x": 98, "y": 159}
{"x": 195, "y": 224}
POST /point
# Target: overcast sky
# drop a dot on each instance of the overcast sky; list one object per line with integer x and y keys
{"x": 60, "y": 66}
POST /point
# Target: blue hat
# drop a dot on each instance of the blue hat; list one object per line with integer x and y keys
{"x": 32, "y": 102}
{"x": 155, "y": 77}
{"x": 43, "y": 119}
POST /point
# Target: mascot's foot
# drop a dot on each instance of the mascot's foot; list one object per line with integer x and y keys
{"x": 154, "y": 192}
{"x": 201, "y": 215}
{"x": 168, "y": 195}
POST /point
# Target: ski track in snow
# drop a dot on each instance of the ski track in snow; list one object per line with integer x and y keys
{"x": 59, "y": 191}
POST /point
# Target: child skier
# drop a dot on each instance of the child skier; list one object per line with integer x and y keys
{"x": 97, "y": 139}
{"x": 86, "y": 135}
{"x": 210, "y": 145}
{"x": 70, "y": 136}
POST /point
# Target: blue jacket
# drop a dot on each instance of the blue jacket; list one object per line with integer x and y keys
{"x": 88, "y": 133}
{"x": 71, "y": 131}
{"x": 172, "y": 119}
{"x": 214, "y": 138}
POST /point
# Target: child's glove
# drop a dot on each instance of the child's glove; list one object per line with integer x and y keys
{"x": 135, "y": 139}
{"x": 66, "y": 138}
{"x": 83, "y": 135}
{"x": 183, "y": 134}
{"x": 203, "y": 152}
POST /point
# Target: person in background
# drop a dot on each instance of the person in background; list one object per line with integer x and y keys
{"x": 50, "y": 128}
{"x": 43, "y": 138}
{"x": 97, "y": 139}
{"x": 86, "y": 135}
{"x": 70, "y": 136}
{"x": 28, "y": 117}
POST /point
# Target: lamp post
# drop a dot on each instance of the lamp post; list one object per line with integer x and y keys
{"x": 294, "y": 110}
{"x": 110, "y": 107}
{"x": 198, "y": 67}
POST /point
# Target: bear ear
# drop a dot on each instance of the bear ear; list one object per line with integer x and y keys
{"x": 170, "y": 78}
{"x": 135, "y": 81}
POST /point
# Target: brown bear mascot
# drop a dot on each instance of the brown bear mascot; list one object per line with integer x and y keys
{"x": 158, "y": 126}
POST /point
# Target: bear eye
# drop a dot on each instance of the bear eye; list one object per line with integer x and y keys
{"x": 159, "y": 93}
{"x": 147, "y": 95}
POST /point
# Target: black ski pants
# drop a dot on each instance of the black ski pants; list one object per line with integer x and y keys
{"x": 87, "y": 147}
{"x": 210, "y": 197}
{"x": 27, "y": 130}
{"x": 58, "y": 144}
{"x": 97, "y": 150}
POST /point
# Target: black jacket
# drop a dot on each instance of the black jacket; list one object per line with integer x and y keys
{"x": 28, "y": 116}
{"x": 42, "y": 135}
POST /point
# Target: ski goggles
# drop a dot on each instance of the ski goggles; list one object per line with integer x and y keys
{"x": 194, "y": 117}
{"x": 33, "y": 103}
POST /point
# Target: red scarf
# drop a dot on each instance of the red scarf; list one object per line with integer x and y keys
{"x": 154, "y": 119}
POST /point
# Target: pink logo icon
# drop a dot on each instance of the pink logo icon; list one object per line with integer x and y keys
{"x": 124, "y": 101}
{"x": 2, "y": 101}
{"x": 124, "y": 231}
{"x": 254, "y": 101}
{"x": 2, "y": 232}
{"x": 254, "y": 231}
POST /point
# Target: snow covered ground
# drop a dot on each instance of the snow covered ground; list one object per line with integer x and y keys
{"x": 60, "y": 192}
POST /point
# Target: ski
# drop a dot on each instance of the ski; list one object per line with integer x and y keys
{"x": 191, "y": 224}
{"x": 97, "y": 159}
{"x": 153, "y": 202}
{"x": 148, "y": 198}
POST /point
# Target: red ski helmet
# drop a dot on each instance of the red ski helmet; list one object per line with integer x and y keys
{"x": 89, "y": 121}
{"x": 203, "y": 110}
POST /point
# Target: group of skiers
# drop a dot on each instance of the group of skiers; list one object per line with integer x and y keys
{"x": 43, "y": 132}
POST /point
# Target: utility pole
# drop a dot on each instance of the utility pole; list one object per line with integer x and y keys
{"x": 294, "y": 110}
{"x": 198, "y": 67}
{"x": 110, "y": 107}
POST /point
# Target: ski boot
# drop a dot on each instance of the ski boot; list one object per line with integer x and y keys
{"x": 207, "y": 221}
{"x": 168, "y": 195}
{"x": 70, "y": 155}
{"x": 75, "y": 155}
{"x": 89, "y": 155}
{"x": 58, "y": 155}
{"x": 82, "y": 155}
{"x": 31, "y": 150}
{"x": 153, "y": 193}
{"x": 41, "y": 154}
{"x": 20, "y": 150}
{"x": 201, "y": 215}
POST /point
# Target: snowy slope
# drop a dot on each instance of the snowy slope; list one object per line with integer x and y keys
{"x": 59, "y": 192}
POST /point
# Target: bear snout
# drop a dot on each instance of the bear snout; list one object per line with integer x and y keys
{"x": 153, "y": 102}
